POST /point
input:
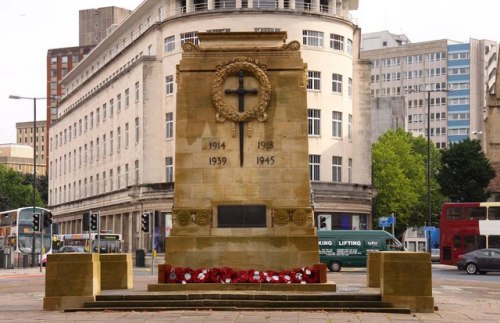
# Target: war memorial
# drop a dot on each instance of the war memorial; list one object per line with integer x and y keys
{"x": 242, "y": 208}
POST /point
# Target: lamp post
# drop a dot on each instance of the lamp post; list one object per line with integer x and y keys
{"x": 429, "y": 204}
{"x": 17, "y": 97}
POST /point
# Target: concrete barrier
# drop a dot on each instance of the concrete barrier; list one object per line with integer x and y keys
{"x": 71, "y": 280}
{"x": 373, "y": 269}
{"x": 406, "y": 280}
{"x": 116, "y": 271}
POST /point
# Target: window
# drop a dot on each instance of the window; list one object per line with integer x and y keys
{"x": 126, "y": 135}
{"x": 169, "y": 169}
{"x": 118, "y": 103}
{"x": 349, "y": 87}
{"x": 169, "y": 84}
{"x": 126, "y": 175}
{"x": 97, "y": 116}
{"x": 337, "y": 83}
{"x": 337, "y": 124}
{"x": 314, "y": 80}
{"x": 85, "y": 124}
{"x": 97, "y": 183}
{"x": 97, "y": 149}
{"x": 313, "y": 122}
{"x": 79, "y": 157}
{"x": 349, "y": 46}
{"x": 80, "y": 127}
{"x": 119, "y": 139}
{"x": 111, "y": 186}
{"x": 104, "y": 112}
{"x": 104, "y": 182}
{"x": 191, "y": 37}
{"x": 91, "y": 151}
{"x": 349, "y": 126}
{"x": 337, "y": 42}
{"x": 111, "y": 143}
{"x": 349, "y": 174}
{"x": 169, "y": 44}
{"x": 126, "y": 99}
{"x": 169, "y": 125}
{"x": 314, "y": 163}
{"x": 312, "y": 38}
{"x": 137, "y": 131}
{"x": 118, "y": 178}
{"x": 136, "y": 172}
{"x": 111, "y": 108}
{"x": 103, "y": 146}
{"x": 136, "y": 91}
{"x": 337, "y": 169}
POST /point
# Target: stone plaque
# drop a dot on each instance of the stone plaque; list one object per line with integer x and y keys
{"x": 241, "y": 216}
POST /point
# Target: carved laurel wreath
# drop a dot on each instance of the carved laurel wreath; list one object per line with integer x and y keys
{"x": 232, "y": 67}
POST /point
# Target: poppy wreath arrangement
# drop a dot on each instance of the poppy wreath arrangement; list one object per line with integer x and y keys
{"x": 225, "y": 275}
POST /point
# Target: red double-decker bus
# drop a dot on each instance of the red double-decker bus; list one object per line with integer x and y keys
{"x": 468, "y": 226}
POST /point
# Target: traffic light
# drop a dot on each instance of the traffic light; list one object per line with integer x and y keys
{"x": 47, "y": 219}
{"x": 36, "y": 222}
{"x": 145, "y": 222}
{"x": 322, "y": 222}
{"x": 94, "y": 222}
{"x": 86, "y": 221}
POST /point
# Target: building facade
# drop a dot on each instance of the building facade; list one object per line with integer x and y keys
{"x": 454, "y": 75}
{"x": 112, "y": 147}
{"x": 20, "y": 158}
{"x": 94, "y": 25}
{"x": 25, "y": 135}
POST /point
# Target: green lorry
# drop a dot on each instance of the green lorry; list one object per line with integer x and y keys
{"x": 344, "y": 248}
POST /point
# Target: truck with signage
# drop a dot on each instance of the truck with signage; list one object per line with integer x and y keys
{"x": 349, "y": 248}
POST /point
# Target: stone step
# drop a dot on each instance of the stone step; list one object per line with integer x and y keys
{"x": 241, "y": 302}
{"x": 235, "y": 303}
{"x": 394, "y": 310}
{"x": 242, "y": 296}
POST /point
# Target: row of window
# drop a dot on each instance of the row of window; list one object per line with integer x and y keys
{"x": 314, "y": 82}
{"x": 314, "y": 123}
{"x": 314, "y": 38}
{"x": 413, "y": 59}
{"x": 315, "y": 163}
{"x": 408, "y": 75}
{"x": 169, "y": 42}
{"x": 88, "y": 153}
{"x": 398, "y": 90}
{"x": 38, "y": 129}
{"x": 100, "y": 115}
{"x": 417, "y": 118}
{"x": 105, "y": 182}
{"x": 420, "y": 103}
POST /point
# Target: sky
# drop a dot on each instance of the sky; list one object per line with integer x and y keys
{"x": 31, "y": 27}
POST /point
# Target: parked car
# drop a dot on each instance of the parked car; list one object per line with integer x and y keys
{"x": 480, "y": 261}
{"x": 66, "y": 249}
{"x": 435, "y": 254}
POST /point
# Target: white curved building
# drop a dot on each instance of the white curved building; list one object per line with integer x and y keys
{"x": 112, "y": 146}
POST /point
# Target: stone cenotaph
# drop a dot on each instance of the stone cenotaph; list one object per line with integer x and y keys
{"x": 242, "y": 192}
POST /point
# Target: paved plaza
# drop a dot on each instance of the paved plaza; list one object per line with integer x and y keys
{"x": 22, "y": 292}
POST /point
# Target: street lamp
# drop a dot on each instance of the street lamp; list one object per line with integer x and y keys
{"x": 17, "y": 97}
{"x": 429, "y": 205}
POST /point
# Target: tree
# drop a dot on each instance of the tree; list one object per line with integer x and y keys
{"x": 42, "y": 185}
{"x": 400, "y": 178}
{"x": 466, "y": 172}
{"x": 14, "y": 193}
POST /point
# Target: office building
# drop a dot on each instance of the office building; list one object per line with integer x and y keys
{"x": 25, "y": 136}
{"x": 457, "y": 75}
{"x": 94, "y": 25}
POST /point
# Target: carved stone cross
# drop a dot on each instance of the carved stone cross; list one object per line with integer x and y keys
{"x": 241, "y": 91}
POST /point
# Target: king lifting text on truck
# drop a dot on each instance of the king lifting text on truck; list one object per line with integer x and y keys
{"x": 349, "y": 248}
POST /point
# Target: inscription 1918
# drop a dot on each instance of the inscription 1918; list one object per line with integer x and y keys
{"x": 265, "y": 145}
